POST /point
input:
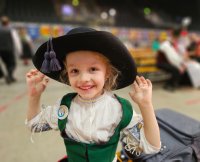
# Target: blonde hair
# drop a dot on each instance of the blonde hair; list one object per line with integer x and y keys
{"x": 111, "y": 80}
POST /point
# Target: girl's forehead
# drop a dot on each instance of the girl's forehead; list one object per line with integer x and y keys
{"x": 83, "y": 52}
{"x": 85, "y": 55}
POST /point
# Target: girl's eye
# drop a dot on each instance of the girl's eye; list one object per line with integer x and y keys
{"x": 93, "y": 69}
{"x": 74, "y": 71}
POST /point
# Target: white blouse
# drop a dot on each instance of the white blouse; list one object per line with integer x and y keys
{"x": 90, "y": 121}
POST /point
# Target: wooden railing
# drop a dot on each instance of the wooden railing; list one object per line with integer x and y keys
{"x": 145, "y": 60}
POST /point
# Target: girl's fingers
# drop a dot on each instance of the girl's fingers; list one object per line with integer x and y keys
{"x": 34, "y": 71}
{"x": 39, "y": 77}
{"x": 138, "y": 80}
{"x": 135, "y": 86}
{"x": 34, "y": 76}
{"x": 144, "y": 81}
{"x": 30, "y": 79}
{"x": 28, "y": 75}
{"x": 149, "y": 83}
{"x": 141, "y": 81}
{"x": 46, "y": 81}
{"x": 43, "y": 84}
{"x": 31, "y": 73}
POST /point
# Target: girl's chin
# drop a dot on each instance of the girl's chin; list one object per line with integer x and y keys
{"x": 87, "y": 96}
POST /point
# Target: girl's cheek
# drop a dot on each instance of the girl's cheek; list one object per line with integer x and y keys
{"x": 72, "y": 80}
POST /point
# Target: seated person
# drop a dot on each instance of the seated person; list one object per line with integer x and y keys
{"x": 169, "y": 61}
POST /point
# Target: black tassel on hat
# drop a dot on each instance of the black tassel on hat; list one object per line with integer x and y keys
{"x": 54, "y": 63}
{"x": 50, "y": 62}
{"x": 46, "y": 63}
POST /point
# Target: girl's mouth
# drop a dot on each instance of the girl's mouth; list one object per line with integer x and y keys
{"x": 86, "y": 87}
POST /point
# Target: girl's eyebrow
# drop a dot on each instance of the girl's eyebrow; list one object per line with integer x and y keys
{"x": 70, "y": 65}
{"x": 95, "y": 63}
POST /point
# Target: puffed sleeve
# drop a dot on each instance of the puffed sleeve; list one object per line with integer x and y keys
{"x": 134, "y": 138}
{"x": 47, "y": 119}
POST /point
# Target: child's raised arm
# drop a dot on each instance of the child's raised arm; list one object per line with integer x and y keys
{"x": 36, "y": 83}
{"x": 141, "y": 94}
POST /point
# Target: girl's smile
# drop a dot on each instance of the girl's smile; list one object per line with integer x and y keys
{"x": 86, "y": 87}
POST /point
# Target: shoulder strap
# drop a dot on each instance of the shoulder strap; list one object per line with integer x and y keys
{"x": 127, "y": 112}
{"x": 66, "y": 100}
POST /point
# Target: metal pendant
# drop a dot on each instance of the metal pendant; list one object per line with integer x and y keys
{"x": 62, "y": 112}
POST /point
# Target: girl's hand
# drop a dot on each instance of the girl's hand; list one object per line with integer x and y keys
{"x": 141, "y": 91}
{"x": 36, "y": 82}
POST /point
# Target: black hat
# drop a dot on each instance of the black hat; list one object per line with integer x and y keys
{"x": 49, "y": 57}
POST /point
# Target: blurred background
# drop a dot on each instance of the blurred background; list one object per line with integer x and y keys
{"x": 142, "y": 25}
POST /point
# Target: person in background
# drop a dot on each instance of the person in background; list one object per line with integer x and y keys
{"x": 27, "y": 46}
{"x": 169, "y": 60}
{"x": 173, "y": 57}
{"x": 10, "y": 47}
{"x": 155, "y": 45}
{"x": 194, "y": 47}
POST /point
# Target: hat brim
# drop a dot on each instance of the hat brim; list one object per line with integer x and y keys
{"x": 99, "y": 41}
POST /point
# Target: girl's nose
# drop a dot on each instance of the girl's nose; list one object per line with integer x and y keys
{"x": 84, "y": 77}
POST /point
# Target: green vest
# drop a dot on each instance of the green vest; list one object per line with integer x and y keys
{"x": 83, "y": 152}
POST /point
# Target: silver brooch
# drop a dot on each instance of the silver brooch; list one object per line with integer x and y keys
{"x": 62, "y": 112}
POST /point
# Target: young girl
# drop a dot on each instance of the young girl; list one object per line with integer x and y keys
{"x": 93, "y": 63}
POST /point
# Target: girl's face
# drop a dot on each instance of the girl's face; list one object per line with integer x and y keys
{"x": 87, "y": 72}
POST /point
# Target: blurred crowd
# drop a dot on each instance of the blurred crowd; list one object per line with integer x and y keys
{"x": 13, "y": 44}
{"x": 179, "y": 55}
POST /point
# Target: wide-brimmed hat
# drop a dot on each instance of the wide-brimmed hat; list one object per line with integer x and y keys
{"x": 50, "y": 55}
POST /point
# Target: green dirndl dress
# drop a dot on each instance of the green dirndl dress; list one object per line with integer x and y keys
{"x": 94, "y": 152}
